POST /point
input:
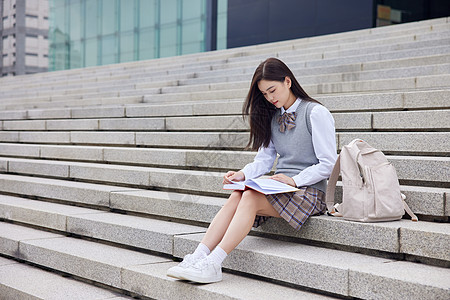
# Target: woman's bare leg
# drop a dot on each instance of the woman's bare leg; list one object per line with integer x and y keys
{"x": 221, "y": 221}
{"x": 251, "y": 204}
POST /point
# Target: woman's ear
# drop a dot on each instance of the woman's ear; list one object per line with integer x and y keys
{"x": 288, "y": 81}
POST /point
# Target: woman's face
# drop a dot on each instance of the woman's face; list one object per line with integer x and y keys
{"x": 278, "y": 93}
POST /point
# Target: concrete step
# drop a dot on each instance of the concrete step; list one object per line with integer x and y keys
{"x": 354, "y": 37}
{"x": 410, "y": 168}
{"x": 98, "y": 100}
{"x": 397, "y": 31}
{"x": 391, "y": 143}
{"x": 337, "y": 69}
{"x": 335, "y": 103}
{"x": 421, "y": 240}
{"x": 297, "y": 67}
{"x": 144, "y": 233}
{"x": 302, "y": 62}
{"x": 345, "y": 274}
{"x": 88, "y": 87}
{"x": 230, "y": 91}
{"x": 237, "y": 81}
{"x": 95, "y": 88}
{"x": 416, "y": 31}
{"x": 305, "y": 77}
{"x": 417, "y": 37}
{"x": 139, "y": 273}
{"x": 287, "y": 58}
{"x": 401, "y": 120}
{"x": 422, "y": 200}
{"x": 22, "y": 281}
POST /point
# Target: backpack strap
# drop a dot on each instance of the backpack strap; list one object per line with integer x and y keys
{"x": 331, "y": 187}
{"x": 408, "y": 210}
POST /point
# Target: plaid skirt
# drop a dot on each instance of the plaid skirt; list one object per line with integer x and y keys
{"x": 296, "y": 207}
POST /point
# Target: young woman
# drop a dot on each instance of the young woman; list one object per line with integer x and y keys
{"x": 284, "y": 120}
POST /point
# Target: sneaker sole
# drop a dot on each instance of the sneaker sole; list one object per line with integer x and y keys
{"x": 194, "y": 278}
{"x": 174, "y": 274}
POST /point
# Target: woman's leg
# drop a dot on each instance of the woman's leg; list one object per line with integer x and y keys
{"x": 230, "y": 226}
{"x": 251, "y": 204}
{"x": 221, "y": 221}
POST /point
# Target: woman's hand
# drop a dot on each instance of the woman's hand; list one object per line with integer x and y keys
{"x": 233, "y": 176}
{"x": 284, "y": 179}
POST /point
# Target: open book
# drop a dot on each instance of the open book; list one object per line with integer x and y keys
{"x": 263, "y": 185}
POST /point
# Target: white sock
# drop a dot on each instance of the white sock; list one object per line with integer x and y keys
{"x": 218, "y": 255}
{"x": 201, "y": 248}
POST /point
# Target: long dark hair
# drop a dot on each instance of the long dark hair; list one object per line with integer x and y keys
{"x": 259, "y": 109}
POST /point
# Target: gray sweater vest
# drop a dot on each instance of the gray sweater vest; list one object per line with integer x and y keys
{"x": 295, "y": 146}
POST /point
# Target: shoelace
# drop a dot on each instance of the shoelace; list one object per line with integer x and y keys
{"x": 187, "y": 261}
{"x": 190, "y": 260}
{"x": 201, "y": 264}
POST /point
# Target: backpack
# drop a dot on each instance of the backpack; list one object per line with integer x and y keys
{"x": 371, "y": 191}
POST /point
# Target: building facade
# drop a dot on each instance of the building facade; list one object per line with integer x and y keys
{"x": 253, "y": 22}
{"x": 97, "y": 32}
{"x": 84, "y": 33}
{"x": 24, "y": 37}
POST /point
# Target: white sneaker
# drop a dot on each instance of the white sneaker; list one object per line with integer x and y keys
{"x": 204, "y": 271}
{"x": 188, "y": 261}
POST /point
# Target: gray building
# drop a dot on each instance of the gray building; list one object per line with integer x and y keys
{"x": 24, "y": 37}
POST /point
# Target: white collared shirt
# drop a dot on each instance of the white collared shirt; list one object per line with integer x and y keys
{"x": 324, "y": 143}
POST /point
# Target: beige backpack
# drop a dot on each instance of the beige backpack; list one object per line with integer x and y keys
{"x": 371, "y": 192}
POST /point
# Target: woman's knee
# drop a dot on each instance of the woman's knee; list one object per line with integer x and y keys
{"x": 250, "y": 200}
{"x": 234, "y": 199}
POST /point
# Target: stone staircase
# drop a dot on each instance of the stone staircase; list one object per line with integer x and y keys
{"x": 109, "y": 175}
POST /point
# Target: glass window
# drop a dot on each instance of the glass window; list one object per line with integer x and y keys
{"x": 147, "y": 48}
{"x": 148, "y": 10}
{"x": 222, "y": 7}
{"x": 193, "y": 9}
{"x": 169, "y": 12}
{"x": 168, "y": 41}
{"x": 127, "y": 10}
{"x": 75, "y": 21}
{"x": 192, "y": 37}
{"x": 168, "y": 37}
{"x": 127, "y": 46}
{"x": 91, "y": 18}
{"x": 76, "y": 55}
{"x": 109, "y": 50}
{"x": 96, "y": 32}
{"x": 109, "y": 16}
{"x": 59, "y": 36}
{"x": 59, "y": 16}
{"x": 193, "y": 26}
{"x": 91, "y": 50}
